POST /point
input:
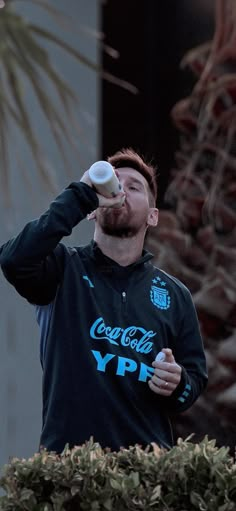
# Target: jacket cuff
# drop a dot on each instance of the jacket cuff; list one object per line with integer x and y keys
{"x": 184, "y": 389}
{"x": 87, "y": 196}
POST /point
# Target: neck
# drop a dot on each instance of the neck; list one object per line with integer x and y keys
{"x": 123, "y": 251}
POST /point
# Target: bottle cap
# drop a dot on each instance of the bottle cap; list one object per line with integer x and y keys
{"x": 104, "y": 179}
{"x": 100, "y": 172}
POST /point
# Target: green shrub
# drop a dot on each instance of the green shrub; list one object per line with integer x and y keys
{"x": 187, "y": 477}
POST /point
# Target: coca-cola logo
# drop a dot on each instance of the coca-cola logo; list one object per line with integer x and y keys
{"x": 135, "y": 337}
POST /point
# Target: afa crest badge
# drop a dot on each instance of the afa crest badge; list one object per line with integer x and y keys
{"x": 159, "y": 295}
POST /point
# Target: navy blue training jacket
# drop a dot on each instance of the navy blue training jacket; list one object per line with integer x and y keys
{"x": 101, "y": 327}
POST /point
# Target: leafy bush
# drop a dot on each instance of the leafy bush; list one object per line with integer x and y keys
{"x": 187, "y": 477}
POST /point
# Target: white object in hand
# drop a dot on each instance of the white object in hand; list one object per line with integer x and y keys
{"x": 160, "y": 357}
{"x": 104, "y": 179}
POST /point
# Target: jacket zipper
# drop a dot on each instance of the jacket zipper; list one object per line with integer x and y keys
{"x": 123, "y": 295}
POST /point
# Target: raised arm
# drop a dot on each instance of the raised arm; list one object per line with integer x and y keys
{"x": 33, "y": 261}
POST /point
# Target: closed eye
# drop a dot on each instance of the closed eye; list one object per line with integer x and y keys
{"x": 132, "y": 187}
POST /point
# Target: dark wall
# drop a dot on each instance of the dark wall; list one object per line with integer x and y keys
{"x": 151, "y": 37}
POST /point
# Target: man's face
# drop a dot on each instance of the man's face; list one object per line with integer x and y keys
{"x": 134, "y": 215}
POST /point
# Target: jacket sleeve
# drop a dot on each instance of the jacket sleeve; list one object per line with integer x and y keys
{"x": 189, "y": 354}
{"x": 33, "y": 261}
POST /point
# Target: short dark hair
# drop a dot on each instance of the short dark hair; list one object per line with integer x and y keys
{"x": 130, "y": 158}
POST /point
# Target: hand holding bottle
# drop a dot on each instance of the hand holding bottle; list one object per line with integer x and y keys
{"x": 101, "y": 175}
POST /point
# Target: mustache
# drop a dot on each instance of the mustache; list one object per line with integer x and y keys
{"x": 110, "y": 211}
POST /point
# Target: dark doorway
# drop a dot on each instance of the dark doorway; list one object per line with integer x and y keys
{"x": 151, "y": 38}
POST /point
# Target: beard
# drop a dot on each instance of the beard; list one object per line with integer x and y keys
{"x": 117, "y": 223}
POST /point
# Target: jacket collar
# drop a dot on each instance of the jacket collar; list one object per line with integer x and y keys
{"x": 101, "y": 259}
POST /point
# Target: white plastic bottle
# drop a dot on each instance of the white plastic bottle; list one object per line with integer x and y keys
{"x": 160, "y": 357}
{"x": 104, "y": 179}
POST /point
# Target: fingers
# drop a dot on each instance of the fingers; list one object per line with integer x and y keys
{"x": 169, "y": 355}
{"x": 166, "y": 377}
{"x": 161, "y": 387}
{"x": 104, "y": 202}
{"x": 173, "y": 379}
{"x": 166, "y": 367}
{"x": 86, "y": 179}
{"x": 111, "y": 202}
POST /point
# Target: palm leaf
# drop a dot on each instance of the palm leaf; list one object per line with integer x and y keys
{"x": 75, "y": 53}
{"x": 29, "y": 67}
{"x": 22, "y": 118}
{"x": 21, "y": 54}
{"x": 67, "y": 23}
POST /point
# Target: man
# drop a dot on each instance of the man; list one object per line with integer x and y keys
{"x": 105, "y": 312}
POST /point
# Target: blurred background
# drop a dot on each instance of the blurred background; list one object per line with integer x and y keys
{"x": 152, "y": 39}
{"x": 110, "y": 74}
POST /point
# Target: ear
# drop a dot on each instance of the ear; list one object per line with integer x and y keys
{"x": 92, "y": 216}
{"x": 152, "y": 219}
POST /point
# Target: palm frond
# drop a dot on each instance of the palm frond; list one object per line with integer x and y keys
{"x": 74, "y": 53}
{"x": 23, "y": 57}
{"x": 22, "y": 118}
{"x": 65, "y": 21}
{"x": 30, "y": 64}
